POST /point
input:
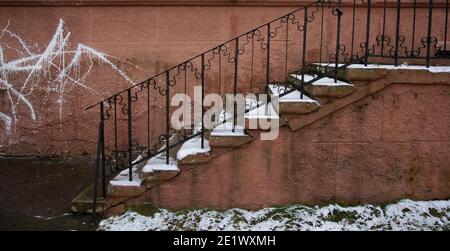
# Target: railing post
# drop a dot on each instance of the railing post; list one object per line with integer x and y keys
{"x": 116, "y": 144}
{"x": 305, "y": 30}
{"x": 167, "y": 116}
{"x": 102, "y": 148}
{"x": 366, "y": 56}
{"x": 203, "y": 98}
{"x": 97, "y": 164}
{"x": 338, "y": 41}
{"x": 130, "y": 149}
{"x": 268, "y": 69}
{"x": 236, "y": 61}
{"x": 397, "y": 33}
{"x": 446, "y": 26}
{"x": 430, "y": 27}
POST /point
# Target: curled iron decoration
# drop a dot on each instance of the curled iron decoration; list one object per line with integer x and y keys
{"x": 336, "y": 11}
{"x": 106, "y": 113}
{"x": 283, "y": 20}
{"x": 153, "y": 82}
{"x": 208, "y": 63}
{"x": 195, "y": 71}
{"x": 343, "y": 52}
{"x": 383, "y": 41}
{"x": 424, "y": 43}
{"x": 226, "y": 52}
{"x": 180, "y": 68}
{"x": 281, "y": 88}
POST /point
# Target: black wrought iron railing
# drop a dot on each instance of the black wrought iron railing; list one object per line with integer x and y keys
{"x": 134, "y": 124}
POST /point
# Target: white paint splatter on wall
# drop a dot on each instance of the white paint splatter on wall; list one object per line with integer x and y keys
{"x": 56, "y": 66}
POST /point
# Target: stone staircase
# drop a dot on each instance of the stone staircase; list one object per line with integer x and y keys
{"x": 295, "y": 111}
{"x": 153, "y": 172}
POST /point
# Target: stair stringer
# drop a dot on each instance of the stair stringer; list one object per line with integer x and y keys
{"x": 383, "y": 79}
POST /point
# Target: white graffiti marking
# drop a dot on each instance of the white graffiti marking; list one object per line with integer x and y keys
{"x": 56, "y": 66}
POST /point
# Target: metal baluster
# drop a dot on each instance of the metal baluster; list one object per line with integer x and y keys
{"x": 305, "y": 30}
{"x": 321, "y": 34}
{"x": 353, "y": 28}
{"x": 267, "y": 69}
{"x": 251, "y": 67}
{"x": 102, "y": 145}
{"x": 384, "y": 28}
{"x": 338, "y": 38}
{"x": 446, "y": 25}
{"x": 366, "y": 56}
{"x": 167, "y": 116}
{"x": 97, "y": 166}
{"x": 286, "y": 50}
{"x": 397, "y": 33}
{"x": 414, "y": 28}
{"x": 430, "y": 26}
{"x": 203, "y": 98}
{"x": 116, "y": 147}
{"x": 236, "y": 60}
{"x": 130, "y": 151}
{"x": 148, "y": 120}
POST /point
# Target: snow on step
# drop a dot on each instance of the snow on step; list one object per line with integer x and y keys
{"x": 326, "y": 81}
{"x": 192, "y": 147}
{"x": 226, "y": 129}
{"x": 260, "y": 112}
{"x": 158, "y": 163}
{"x": 432, "y": 69}
{"x": 294, "y": 96}
{"x": 122, "y": 179}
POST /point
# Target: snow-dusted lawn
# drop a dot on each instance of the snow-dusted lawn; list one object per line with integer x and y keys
{"x": 404, "y": 215}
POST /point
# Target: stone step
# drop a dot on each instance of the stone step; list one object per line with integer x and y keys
{"x": 265, "y": 113}
{"x": 121, "y": 186}
{"x": 294, "y": 102}
{"x": 223, "y": 136}
{"x": 324, "y": 87}
{"x": 354, "y": 72}
{"x": 83, "y": 202}
{"x": 191, "y": 152}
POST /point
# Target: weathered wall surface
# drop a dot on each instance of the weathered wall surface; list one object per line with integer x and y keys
{"x": 392, "y": 145}
{"x": 59, "y": 57}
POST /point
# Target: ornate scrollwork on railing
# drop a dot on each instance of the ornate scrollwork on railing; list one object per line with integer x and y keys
{"x": 180, "y": 68}
{"x": 195, "y": 71}
{"x": 283, "y": 20}
{"x": 226, "y": 52}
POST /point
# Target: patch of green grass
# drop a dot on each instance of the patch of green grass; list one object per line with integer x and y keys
{"x": 145, "y": 209}
{"x": 338, "y": 216}
{"x": 434, "y": 212}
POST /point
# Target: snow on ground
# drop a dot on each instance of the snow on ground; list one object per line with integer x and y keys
{"x": 403, "y": 215}
{"x": 192, "y": 147}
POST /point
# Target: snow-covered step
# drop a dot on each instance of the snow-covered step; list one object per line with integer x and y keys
{"x": 293, "y": 102}
{"x": 325, "y": 86}
{"x": 256, "y": 115}
{"x": 224, "y": 136}
{"x": 191, "y": 152}
{"x": 121, "y": 186}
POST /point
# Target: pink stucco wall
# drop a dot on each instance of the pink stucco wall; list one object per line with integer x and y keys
{"x": 141, "y": 38}
{"x": 388, "y": 146}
